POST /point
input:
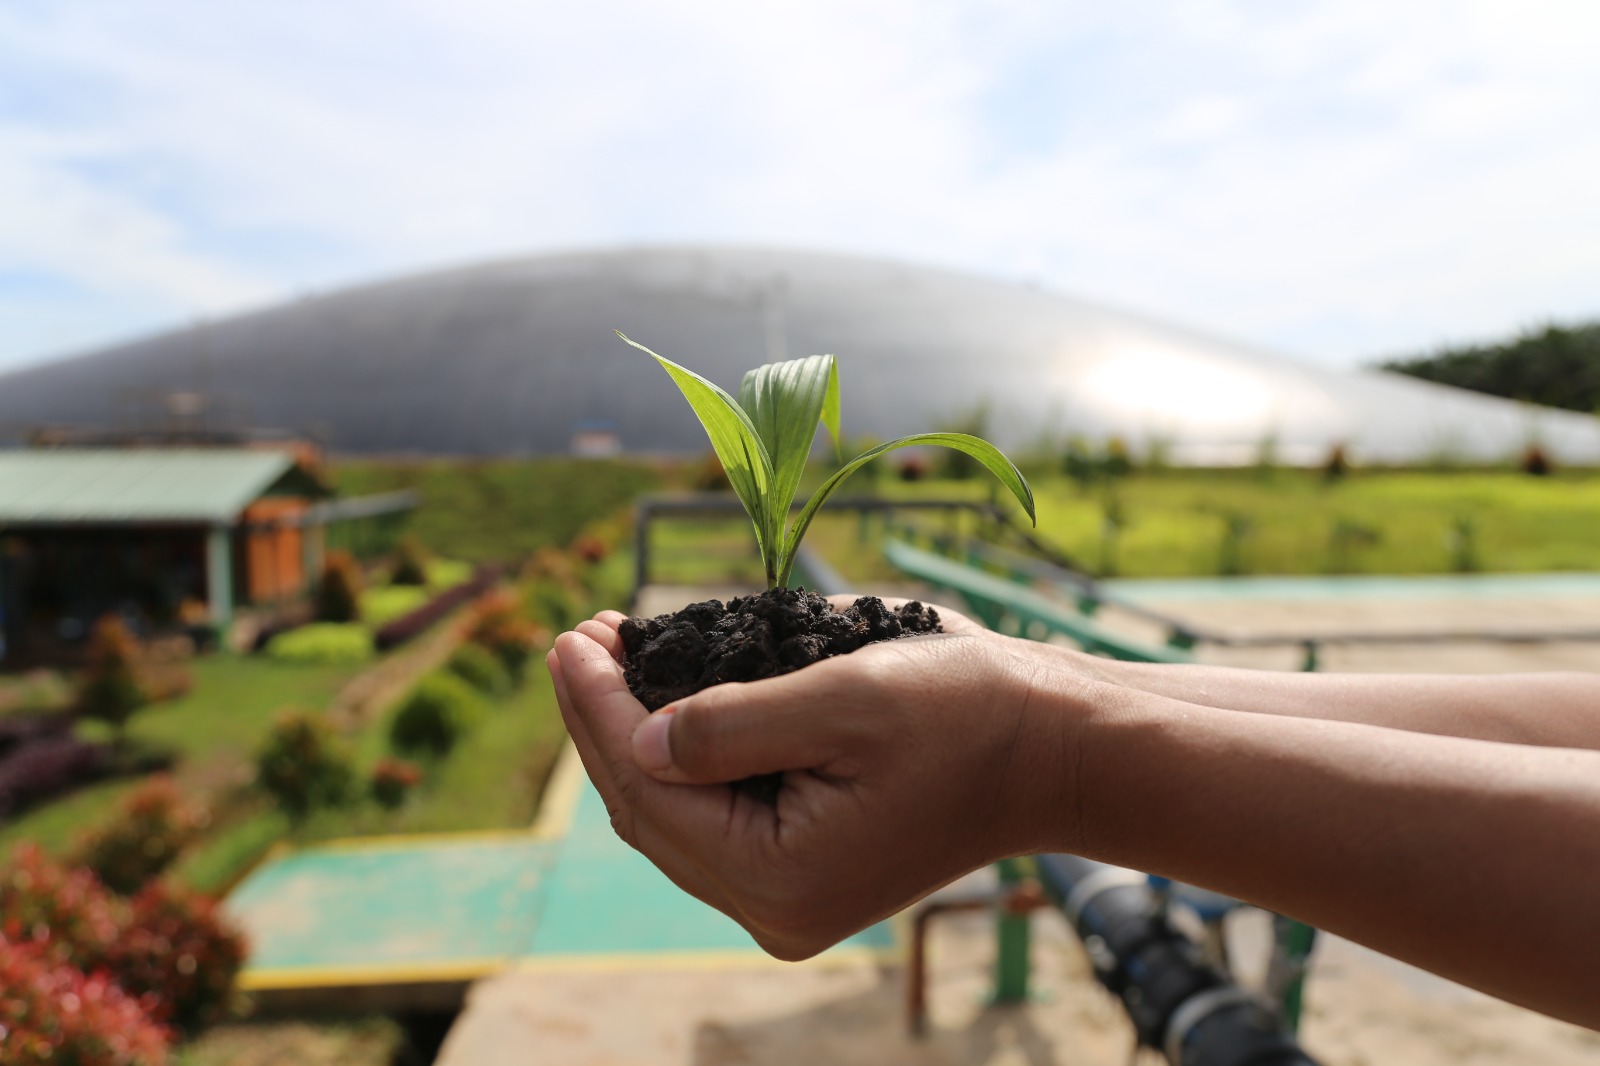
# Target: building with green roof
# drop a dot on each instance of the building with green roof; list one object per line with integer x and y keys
{"x": 169, "y": 538}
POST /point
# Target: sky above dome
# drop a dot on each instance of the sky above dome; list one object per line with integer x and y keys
{"x": 1340, "y": 181}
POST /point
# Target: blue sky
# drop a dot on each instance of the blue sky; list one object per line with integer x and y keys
{"x": 1336, "y": 180}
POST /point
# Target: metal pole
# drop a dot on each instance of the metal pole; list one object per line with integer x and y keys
{"x": 219, "y": 578}
{"x": 1011, "y": 935}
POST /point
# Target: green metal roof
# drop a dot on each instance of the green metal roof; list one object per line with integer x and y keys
{"x": 135, "y": 485}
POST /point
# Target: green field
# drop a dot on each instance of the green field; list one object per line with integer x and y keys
{"x": 500, "y": 510}
{"x": 1177, "y": 524}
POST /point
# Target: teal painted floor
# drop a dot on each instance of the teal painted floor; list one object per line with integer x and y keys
{"x": 376, "y": 912}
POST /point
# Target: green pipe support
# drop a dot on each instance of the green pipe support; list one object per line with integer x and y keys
{"x": 1012, "y": 936}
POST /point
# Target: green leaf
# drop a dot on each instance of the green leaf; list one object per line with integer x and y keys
{"x": 785, "y": 401}
{"x": 830, "y": 409}
{"x": 736, "y": 442}
{"x": 987, "y": 454}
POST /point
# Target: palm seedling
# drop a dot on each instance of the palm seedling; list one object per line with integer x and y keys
{"x": 764, "y": 439}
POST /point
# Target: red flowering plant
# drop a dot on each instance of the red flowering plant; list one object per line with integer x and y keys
{"x": 177, "y": 955}
{"x": 167, "y": 950}
{"x": 53, "y": 1014}
{"x": 67, "y": 911}
{"x": 392, "y": 780}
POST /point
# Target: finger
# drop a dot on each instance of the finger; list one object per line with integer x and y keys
{"x": 610, "y": 619}
{"x": 600, "y": 705}
{"x": 636, "y": 833}
{"x": 603, "y": 635}
{"x": 730, "y": 732}
{"x": 598, "y": 772}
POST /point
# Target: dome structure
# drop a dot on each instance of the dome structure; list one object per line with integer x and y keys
{"x": 519, "y": 357}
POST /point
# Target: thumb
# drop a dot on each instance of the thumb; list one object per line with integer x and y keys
{"x": 733, "y": 731}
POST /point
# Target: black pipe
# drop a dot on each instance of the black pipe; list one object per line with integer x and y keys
{"x": 1178, "y": 1003}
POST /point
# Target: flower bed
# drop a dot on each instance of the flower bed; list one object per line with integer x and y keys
{"x": 409, "y": 626}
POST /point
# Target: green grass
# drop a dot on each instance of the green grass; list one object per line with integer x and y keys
{"x": 1176, "y": 522}
{"x": 492, "y": 779}
{"x": 212, "y": 732}
{"x": 501, "y": 510}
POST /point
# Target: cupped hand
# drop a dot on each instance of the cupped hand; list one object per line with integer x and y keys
{"x": 905, "y": 764}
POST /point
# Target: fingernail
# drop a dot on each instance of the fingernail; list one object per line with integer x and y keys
{"x": 651, "y": 749}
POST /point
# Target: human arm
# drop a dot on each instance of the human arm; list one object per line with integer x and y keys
{"x": 1548, "y": 709}
{"x": 911, "y": 762}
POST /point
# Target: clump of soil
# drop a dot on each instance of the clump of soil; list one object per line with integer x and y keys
{"x": 752, "y": 637}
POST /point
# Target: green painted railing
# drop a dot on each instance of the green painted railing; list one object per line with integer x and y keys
{"x": 1017, "y": 610}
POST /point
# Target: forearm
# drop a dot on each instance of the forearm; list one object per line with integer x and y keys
{"x": 1550, "y": 709}
{"x": 1479, "y": 861}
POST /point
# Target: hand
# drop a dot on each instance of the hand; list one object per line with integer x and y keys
{"x": 905, "y": 765}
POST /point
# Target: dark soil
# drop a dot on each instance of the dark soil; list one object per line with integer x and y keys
{"x": 753, "y": 637}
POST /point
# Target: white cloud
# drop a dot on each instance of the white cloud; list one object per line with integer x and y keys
{"x": 1345, "y": 179}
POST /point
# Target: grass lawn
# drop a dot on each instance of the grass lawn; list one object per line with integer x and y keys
{"x": 491, "y": 780}
{"x": 213, "y": 732}
{"x": 1290, "y": 522}
{"x": 502, "y": 509}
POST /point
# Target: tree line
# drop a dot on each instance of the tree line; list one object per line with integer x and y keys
{"x": 1558, "y": 366}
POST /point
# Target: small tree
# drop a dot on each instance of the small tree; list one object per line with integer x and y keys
{"x": 143, "y": 837}
{"x": 410, "y": 563}
{"x": 110, "y": 689}
{"x": 339, "y": 591}
{"x": 303, "y": 766}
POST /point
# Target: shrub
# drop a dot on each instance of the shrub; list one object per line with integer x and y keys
{"x": 110, "y": 688}
{"x": 437, "y": 713}
{"x": 338, "y": 597}
{"x": 303, "y": 766}
{"x": 327, "y": 643}
{"x": 167, "y": 950}
{"x": 393, "y": 780}
{"x": 410, "y": 563}
{"x": 379, "y": 607}
{"x": 447, "y": 573}
{"x": 68, "y": 910}
{"x": 47, "y": 766}
{"x": 480, "y": 668}
{"x": 1535, "y": 461}
{"x": 177, "y": 956}
{"x": 590, "y": 549}
{"x": 51, "y": 1014}
{"x": 500, "y": 626}
{"x": 409, "y": 626}
{"x": 143, "y": 838}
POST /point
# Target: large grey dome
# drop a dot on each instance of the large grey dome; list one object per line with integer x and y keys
{"x": 513, "y": 357}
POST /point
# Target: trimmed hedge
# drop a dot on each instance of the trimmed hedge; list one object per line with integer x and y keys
{"x": 53, "y": 763}
{"x": 437, "y": 713}
{"x": 412, "y": 625}
{"x": 322, "y": 643}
